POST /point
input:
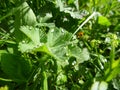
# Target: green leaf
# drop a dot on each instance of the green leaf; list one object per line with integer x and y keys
{"x": 114, "y": 71}
{"x": 75, "y": 14}
{"x": 103, "y": 21}
{"x": 59, "y": 3}
{"x": 61, "y": 78}
{"x": 15, "y": 67}
{"x": 32, "y": 33}
{"x": 116, "y": 82}
{"x": 44, "y": 19}
{"x": 23, "y": 16}
{"x": 117, "y": 27}
{"x": 115, "y": 63}
{"x": 57, "y": 42}
{"x": 26, "y": 47}
{"x": 70, "y": 1}
{"x": 61, "y": 48}
{"x": 26, "y": 15}
{"x": 50, "y": 25}
{"x": 34, "y": 38}
{"x": 80, "y": 55}
{"x": 76, "y": 87}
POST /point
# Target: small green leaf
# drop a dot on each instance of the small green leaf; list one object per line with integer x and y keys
{"x": 115, "y": 63}
{"x": 103, "y": 21}
{"x": 116, "y": 82}
{"x": 113, "y": 73}
{"x": 80, "y": 54}
{"x": 61, "y": 79}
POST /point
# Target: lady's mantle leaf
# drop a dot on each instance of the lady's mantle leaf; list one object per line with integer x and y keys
{"x": 62, "y": 48}
{"x": 33, "y": 38}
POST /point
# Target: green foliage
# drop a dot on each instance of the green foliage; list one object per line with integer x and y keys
{"x": 103, "y": 21}
{"x": 15, "y": 67}
{"x": 4, "y": 88}
{"x": 59, "y": 45}
{"x": 116, "y": 82}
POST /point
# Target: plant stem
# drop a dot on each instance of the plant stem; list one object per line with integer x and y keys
{"x": 91, "y": 16}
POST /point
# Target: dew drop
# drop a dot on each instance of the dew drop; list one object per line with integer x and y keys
{"x": 52, "y": 30}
